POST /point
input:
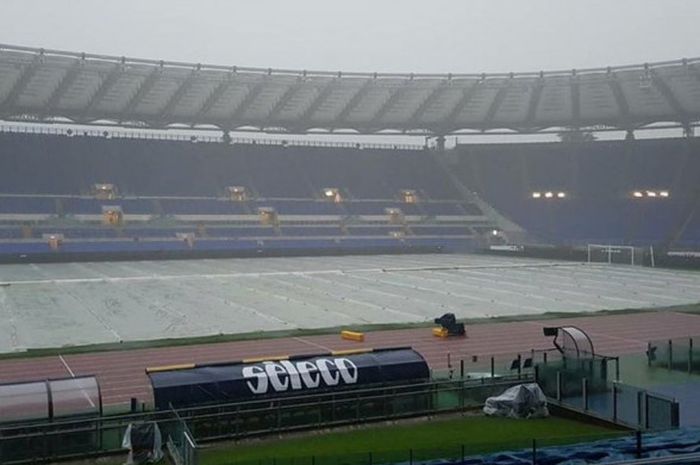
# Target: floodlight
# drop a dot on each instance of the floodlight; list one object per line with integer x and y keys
{"x": 651, "y": 194}
{"x": 561, "y": 195}
{"x": 637, "y": 194}
{"x": 548, "y": 195}
{"x": 664, "y": 194}
{"x": 495, "y": 232}
{"x": 536, "y": 195}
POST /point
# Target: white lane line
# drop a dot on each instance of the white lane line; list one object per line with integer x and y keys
{"x": 311, "y": 343}
{"x": 65, "y": 364}
{"x": 72, "y": 375}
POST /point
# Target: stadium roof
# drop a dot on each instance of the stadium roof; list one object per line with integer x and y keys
{"x": 38, "y": 85}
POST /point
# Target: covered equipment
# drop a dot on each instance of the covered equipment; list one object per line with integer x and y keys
{"x": 144, "y": 442}
{"x": 448, "y": 321}
{"x": 521, "y": 401}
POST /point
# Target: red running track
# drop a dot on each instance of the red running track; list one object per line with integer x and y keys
{"x": 122, "y": 373}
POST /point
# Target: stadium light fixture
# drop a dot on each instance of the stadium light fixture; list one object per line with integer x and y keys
{"x": 495, "y": 232}
{"x": 536, "y": 195}
{"x": 561, "y": 195}
{"x": 651, "y": 194}
{"x": 548, "y": 195}
{"x": 664, "y": 194}
{"x": 637, "y": 194}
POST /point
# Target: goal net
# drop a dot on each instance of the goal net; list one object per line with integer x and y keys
{"x": 619, "y": 254}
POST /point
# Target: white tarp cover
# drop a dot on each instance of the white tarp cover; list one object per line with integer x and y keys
{"x": 521, "y": 401}
{"x": 144, "y": 442}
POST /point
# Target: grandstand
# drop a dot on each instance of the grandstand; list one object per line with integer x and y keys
{"x": 70, "y": 194}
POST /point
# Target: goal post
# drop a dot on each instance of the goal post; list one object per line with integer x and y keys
{"x": 608, "y": 253}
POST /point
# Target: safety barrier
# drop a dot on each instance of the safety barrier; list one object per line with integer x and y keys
{"x": 682, "y": 354}
{"x": 585, "y": 385}
{"x": 181, "y": 444}
{"x": 22, "y": 443}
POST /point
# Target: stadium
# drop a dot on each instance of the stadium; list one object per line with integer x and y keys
{"x": 206, "y": 260}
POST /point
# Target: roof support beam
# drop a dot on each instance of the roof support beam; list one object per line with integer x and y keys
{"x": 282, "y": 102}
{"x": 534, "y": 104}
{"x": 418, "y": 113}
{"x": 247, "y": 102}
{"x": 622, "y": 105}
{"x": 21, "y": 84}
{"x": 375, "y": 121}
{"x": 67, "y": 81}
{"x": 316, "y": 104}
{"x": 214, "y": 97}
{"x": 180, "y": 92}
{"x": 353, "y": 102}
{"x": 496, "y": 104}
{"x": 145, "y": 87}
{"x": 104, "y": 87}
{"x": 576, "y": 101}
{"x": 668, "y": 94}
{"x": 468, "y": 93}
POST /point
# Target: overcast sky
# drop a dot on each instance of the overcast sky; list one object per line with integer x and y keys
{"x": 365, "y": 35}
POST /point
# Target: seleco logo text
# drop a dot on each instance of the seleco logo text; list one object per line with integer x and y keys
{"x": 285, "y": 375}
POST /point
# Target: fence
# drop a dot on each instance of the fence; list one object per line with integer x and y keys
{"x": 33, "y": 442}
{"x": 585, "y": 385}
{"x": 682, "y": 354}
{"x": 516, "y": 365}
{"x": 180, "y": 442}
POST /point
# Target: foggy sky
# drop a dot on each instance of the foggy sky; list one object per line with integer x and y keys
{"x": 365, "y": 35}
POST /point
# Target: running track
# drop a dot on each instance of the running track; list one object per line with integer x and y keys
{"x": 122, "y": 373}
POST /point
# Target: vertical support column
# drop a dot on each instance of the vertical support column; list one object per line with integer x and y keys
{"x": 493, "y": 367}
{"x": 649, "y": 354}
{"x": 461, "y": 369}
{"x": 670, "y": 354}
{"x": 534, "y": 452}
{"x": 638, "y": 448}
{"x": 559, "y": 386}
{"x": 614, "y": 402}
{"x": 520, "y": 365}
{"x": 690, "y": 355}
{"x": 584, "y": 392}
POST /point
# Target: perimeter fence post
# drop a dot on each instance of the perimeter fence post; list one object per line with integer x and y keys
{"x": 670, "y": 354}
{"x": 370, "y": 458}
{"x": 462, "y": 450}
{"x": 410, "y": 456}
{"x": 638, "y": 448}
{"x": 534, "y": 452}
{"x": 690, "y": 355}
{"x": 461, "y": 369}
{"x": 559, "y": 386}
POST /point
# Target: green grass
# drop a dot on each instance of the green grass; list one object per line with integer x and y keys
{"x": 428, "y": 439}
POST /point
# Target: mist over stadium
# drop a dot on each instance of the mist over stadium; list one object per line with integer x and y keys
{"x": 349, "y": 233}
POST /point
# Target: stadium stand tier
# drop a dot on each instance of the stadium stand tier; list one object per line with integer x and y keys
{"x": 176, "y": 196}
{"x": 633, "y": 192}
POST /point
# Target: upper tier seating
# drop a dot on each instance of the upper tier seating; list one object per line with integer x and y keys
{"x": 598, "y": 180}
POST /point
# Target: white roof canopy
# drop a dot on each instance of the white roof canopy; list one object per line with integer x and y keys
{"x": 38, "y": 85}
